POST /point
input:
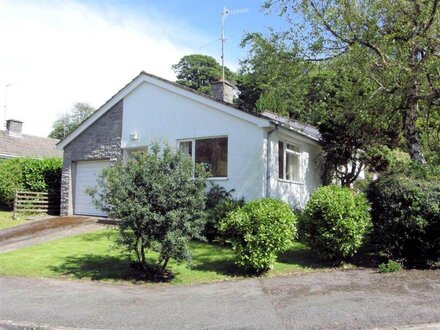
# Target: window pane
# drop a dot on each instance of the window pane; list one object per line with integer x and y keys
{"x": 214, "y": 153}
{"x": 186, "y": 147}
{"x": 280, "y": 159}
{"x": 293, "y": 148}
{"x": 292, "y": 167}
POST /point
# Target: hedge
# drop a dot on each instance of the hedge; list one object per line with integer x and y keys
{"x": 29, "y": 174}
{"x": 406, "y": 218}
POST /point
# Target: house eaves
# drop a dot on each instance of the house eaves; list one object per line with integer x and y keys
{"x": 305, "y": 130}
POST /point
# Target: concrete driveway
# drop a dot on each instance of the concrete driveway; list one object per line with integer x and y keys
{"x": 40, "y": 231}
{"x": 356, "y": 299}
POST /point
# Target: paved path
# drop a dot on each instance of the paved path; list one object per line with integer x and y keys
{"x": 325, "y": 300}
{"x": 41, "y": 231}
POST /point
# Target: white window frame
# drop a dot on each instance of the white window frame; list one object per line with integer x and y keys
{"x": 285, "y": 152}
{"x": 193, "y": 153}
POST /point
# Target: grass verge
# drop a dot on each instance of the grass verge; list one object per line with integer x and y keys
{"x": 94, "y": 256}
{"x": 6, "y": 220}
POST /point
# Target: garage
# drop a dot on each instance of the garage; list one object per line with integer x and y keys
{"x": 86, "y": 175}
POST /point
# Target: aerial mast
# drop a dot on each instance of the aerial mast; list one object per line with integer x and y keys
{"x": 225, "y": 13}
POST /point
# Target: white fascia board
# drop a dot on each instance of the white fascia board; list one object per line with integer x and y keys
{"x": 260, "y": 122}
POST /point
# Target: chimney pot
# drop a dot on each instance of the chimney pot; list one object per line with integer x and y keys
{"x": 223, "y": 91}
{"x": 14, "y": 127}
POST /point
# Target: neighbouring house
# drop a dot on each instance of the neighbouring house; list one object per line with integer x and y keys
{"x": 15, "y": 144}
{"x": 258, "y": 155}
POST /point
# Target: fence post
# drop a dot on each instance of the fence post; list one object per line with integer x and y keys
{"x": 14, "y": 212}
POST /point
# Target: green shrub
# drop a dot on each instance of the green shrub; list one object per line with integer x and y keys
{"x": 219, "y": 202}
{"x": 159, "y": 198}
{"x": 29, "y": 174}
{"x": 390, "y": 267}
{"x": 258, "y": 231}
{"x": 406, "y": 217}
{"x": 415, "y": 170}
{"x": 335, "y": 222}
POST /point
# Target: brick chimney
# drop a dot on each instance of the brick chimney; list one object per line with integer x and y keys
{"x": 223, "y": 91}
{"x": 14, "y": 127}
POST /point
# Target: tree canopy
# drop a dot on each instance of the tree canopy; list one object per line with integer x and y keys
{"x": 397, "y": 40}
{"x": 366, "y": 73}
{"x": 68, "y": 122}
{"x": 200, "y": 71}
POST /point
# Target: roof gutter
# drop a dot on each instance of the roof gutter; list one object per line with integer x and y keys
{"x": 268, "y": 154}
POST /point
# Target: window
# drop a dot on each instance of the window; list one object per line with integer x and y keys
{"x": 186, "y": 147}
{"x": 213, "y": 152}
{"x": 289, "y": 162}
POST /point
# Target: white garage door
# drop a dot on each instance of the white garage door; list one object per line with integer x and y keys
{"x": 86, "y": 175}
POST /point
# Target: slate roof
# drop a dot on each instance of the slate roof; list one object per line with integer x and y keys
{"x": 293, "y": 125}
{"x": 27, "y": 146}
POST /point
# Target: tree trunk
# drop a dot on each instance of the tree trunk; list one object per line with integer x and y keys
{"x": 164, "y": 267}
{"x": 143, "y": 260}
{"x": 410, "y": 130}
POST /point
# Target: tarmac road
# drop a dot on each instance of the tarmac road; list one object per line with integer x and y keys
{"x": 322, "y": 300}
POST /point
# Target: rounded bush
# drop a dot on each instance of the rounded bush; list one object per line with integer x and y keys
{"x": 258, "y": 231}
{"x": 335, "y": 222}
{"x": 406, "y": 218}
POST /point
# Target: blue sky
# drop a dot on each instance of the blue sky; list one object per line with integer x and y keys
{"x": 58, "y": 52}
{"x": 202, "y": 17}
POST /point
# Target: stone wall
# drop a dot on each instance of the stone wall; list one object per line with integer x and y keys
{"x": 223, "y": 91}
{"x": 100, "y": 141}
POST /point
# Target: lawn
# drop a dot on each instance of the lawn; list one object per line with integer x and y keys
{"x": 94, "y": 256}
{"x": 6, "y": 220}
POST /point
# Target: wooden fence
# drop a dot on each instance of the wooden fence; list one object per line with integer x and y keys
{"x": 35, "y": 202}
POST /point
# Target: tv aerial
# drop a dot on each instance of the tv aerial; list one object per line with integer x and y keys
{"x": 225, "y": 13}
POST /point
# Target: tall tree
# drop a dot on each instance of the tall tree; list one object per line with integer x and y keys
{"x": 354, "y": 126}
{"x": 401, "y": 37}
{"x": 274, "y": 76}
{"x": 68, "y": 122}
{"x": 200, "y": 71}
{"x": 337, "y": 96}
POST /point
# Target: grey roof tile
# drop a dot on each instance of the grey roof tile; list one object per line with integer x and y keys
{"x": 27, "y": 146}
{"x": 303, "y": 129}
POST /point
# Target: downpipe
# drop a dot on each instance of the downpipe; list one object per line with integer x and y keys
{"x": 268, "y": 155}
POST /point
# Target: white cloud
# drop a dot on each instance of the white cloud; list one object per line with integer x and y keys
{"x": 57, "y": 53}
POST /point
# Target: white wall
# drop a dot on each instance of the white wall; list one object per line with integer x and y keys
{"x": 155, "y": 113}
{"x": 296, "y": 194}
